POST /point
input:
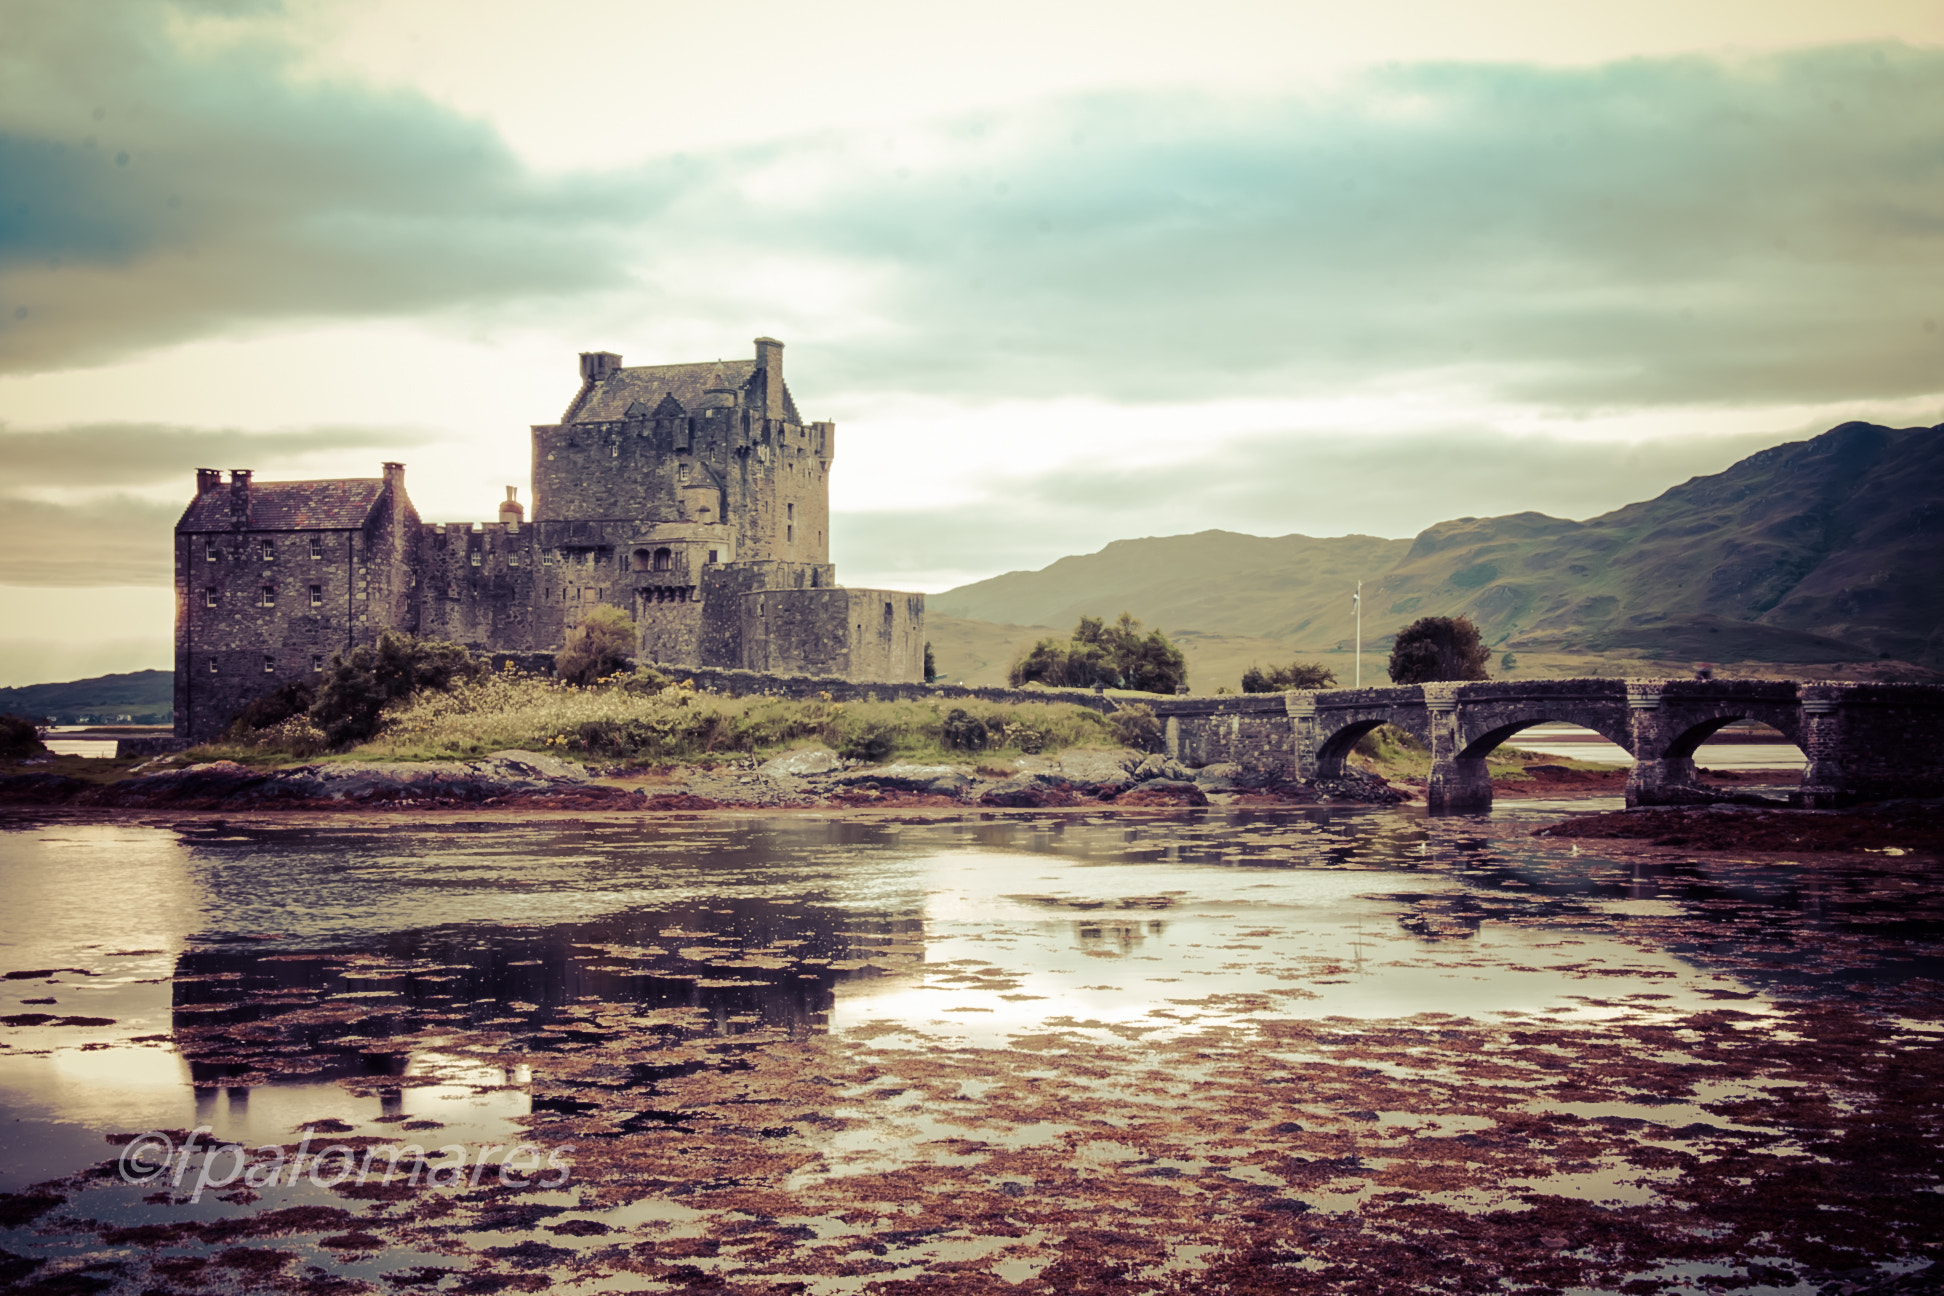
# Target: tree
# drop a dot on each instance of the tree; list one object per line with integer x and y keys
{"x": 1280, "y": 679}
{"x": 1438, "y": 648}
{"x": 1104, "y": 656}
{"x": 361, "y": 683}
{"x": 601, "y": 645}
{"x": 931, "y": 667}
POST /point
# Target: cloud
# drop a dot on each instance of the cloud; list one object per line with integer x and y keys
{"x": 134, "y": 454}
{"x": 1310, "y": 484}
{"x": 1653, "y": 232}
{"x": 116, "y": 540}
{"x": 1658, "y": 231}
{"x": 160, "y": 186}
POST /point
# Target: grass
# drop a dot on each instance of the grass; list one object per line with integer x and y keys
{"x": 638, "y": 721}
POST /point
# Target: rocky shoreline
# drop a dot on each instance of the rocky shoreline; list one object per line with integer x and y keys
{"x": 808, "y": 778}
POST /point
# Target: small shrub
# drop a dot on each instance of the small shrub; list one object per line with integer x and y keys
{"x": 19, "y": 737}
{"x": 1296, "y": 675}
{"x": 362, "y": 683}
{"x": 962, "y": 731}
{"x": 601, "y": 645}
{"x": 293, "y": 697}
{"x": 871, "y": 744}
{"x": 1136, "y": 726}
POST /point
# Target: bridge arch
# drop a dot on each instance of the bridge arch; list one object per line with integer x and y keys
{"x": 1684, "y": 743}
{"x": 1335, "y": 744}
{"x": 1484, "y": 744}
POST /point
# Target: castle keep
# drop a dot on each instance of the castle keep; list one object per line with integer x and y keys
{"x": 694, "y": 496}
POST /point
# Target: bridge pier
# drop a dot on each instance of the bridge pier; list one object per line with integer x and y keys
{"x": 1458, "y": 783}
{"x": 1657, "y": 779}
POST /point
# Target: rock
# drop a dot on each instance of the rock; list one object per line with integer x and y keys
{"x": 899, "y": 776}
{"x": 1163, "y": 792}
{"x": 1097, "y": 771}
{"x": 1162, "y": 767}
{"x": 1030, "y": 793}
{"x": 802, "y": 761}
{"x": 1220, "y": 772}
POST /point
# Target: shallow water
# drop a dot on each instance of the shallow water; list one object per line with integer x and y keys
{"x": 451, "y": 980}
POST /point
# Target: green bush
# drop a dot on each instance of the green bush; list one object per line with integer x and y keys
{"x": 1104, "y": 656}
{"x": 1438, "y": 648}
{"x": 360, "y": 684}
{"x": 601, "y": 645}
{"x": 1296, "y": 675}
{"x": 291, "y": 698}
{"x": 19, "y": 737}
{"x": 1135, "y": 725}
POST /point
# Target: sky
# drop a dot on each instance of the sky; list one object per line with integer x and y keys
{"x": 1061, "y": 274}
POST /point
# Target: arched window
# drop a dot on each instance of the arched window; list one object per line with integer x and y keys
{"x": 664, "y": 559}
{"x": 641, "y": 559}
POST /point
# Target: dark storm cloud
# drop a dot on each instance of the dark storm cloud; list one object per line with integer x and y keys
{"x": 152, "y": 192}
{"x": 1310, "y": 484}
{"x": 134, "y": 454}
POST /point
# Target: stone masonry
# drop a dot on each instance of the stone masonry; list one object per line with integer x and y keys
{"x": 1863, "y": 741}
{"x": 692, "y": 496}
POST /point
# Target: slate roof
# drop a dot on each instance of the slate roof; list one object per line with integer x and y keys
{"x": 650, "y": 385}
{"x": 289, "y": 506}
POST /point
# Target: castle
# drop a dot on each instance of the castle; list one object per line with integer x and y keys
{"x": 693, "y": 496}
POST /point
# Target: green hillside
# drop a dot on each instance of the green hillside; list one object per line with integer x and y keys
{"x": 1820, "y": 551}
{"x": 145, "y": 697}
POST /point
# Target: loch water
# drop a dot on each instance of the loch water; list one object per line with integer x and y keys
{"x": 380, "y": 976}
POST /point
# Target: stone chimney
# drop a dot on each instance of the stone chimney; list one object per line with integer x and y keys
{"x": 769, "y": 362}
{"x": 239, "y": 498}
{"x": 596, "y": 365}
{"x": 207, "y": 480}
{"x": 395, "y": 478}
{"x": 510, "y": 511}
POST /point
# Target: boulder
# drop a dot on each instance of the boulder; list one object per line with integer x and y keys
{"x": 1031, "y": 792}
{"x": 1162, "y": 767}
{"x": 1163, "y": 792}
{"x": 802, "y": 761}
{"x": 901, "y": 776}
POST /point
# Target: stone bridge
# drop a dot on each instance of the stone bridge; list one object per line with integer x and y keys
{"x": 1864, "y": 742}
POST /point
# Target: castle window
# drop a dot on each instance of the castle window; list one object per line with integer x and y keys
{"x": 789, "y": 534}
{"x": 664, "y": 560}
{"x": 210, "y": 551}
{"x": 475, "y": 557}
{"x": 317, "y": 596}
{"x": 789, "y": 511}
{"x": 643, "y": 560}
{"x": 512, "y": 560}
{"x": 317, "y": 546}
{"x": 681, "y": 472}
{"x": 212, "y": 666}
{"x": 209, "y": 598}
{"x": 712, "y": 556}
{"x": 269, "y": 664}
{"x": 317, "y": 661}
{"x": 887, "y": 611}
{"x": 269, "y": 596}
{"x": 269, "y": 550}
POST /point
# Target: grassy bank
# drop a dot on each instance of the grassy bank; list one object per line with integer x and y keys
{"x": 641, "y": 720}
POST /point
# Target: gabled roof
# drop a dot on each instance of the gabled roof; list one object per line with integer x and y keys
{"x": 289, "y": 506}
{"x": 650, "y": 385}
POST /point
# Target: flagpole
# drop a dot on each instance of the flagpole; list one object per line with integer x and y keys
{"x": 1356, "y": 601}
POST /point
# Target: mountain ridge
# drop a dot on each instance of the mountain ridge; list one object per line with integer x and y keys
{"x": 1821, "y": 550}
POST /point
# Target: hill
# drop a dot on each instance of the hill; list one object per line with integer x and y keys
{"x": 144, "y": 697}
{"x": 1816, "y": 552}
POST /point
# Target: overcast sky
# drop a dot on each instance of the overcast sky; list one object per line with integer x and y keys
{"x": 1061, "y": 274}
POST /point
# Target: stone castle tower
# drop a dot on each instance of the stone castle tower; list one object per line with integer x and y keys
{"x": 694, "y": 496}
